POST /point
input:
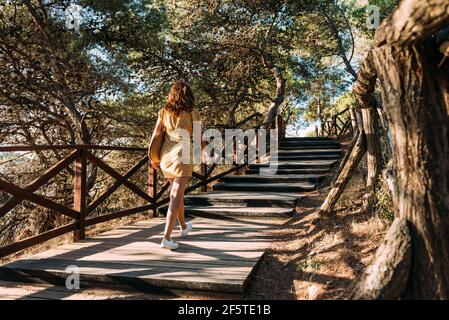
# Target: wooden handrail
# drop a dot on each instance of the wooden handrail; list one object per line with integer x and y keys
{"x": 40, "y": 200}
{"x": 39, "y": 182}
{"x": 81, "y": 156}
{"x": 103, "y": 196}
{"x": 18, "y": 148}
{"x": 117, "y": 176}
{"x": 343, "y": 111}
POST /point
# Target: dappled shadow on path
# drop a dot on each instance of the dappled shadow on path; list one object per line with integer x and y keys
{"x": 318, "y": 264}
{"x": 215, "y": 248}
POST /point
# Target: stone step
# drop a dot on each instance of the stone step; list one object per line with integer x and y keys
{"x": 256, "y": 178}
{"x": 308, "y": 147}
{"x": 308, "y": 157}
{"x": 316, "y": 171}
{"x": 244, "y": 199}
{"x": 307, "y": 143}
{"x": 304, "y": 164}
{"x": 273, "y": 187}
{"x": 222, "y": 211}
{"x": 307, "y": 139}
{"x": 310, "y": 152}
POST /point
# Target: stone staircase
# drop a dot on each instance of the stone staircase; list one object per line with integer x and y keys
{"x": 303, "y": 163}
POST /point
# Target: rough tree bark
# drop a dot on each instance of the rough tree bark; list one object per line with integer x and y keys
{"x": 353, "y": 121}
{"x": 367, "y": 140}
{"x": 414, "y": 91}
{"x": 370, "y": 128}
{"x": 364, "y": 89}
{"x": 418, "y": 122}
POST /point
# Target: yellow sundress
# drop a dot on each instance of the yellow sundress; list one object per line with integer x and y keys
{"x": 171, "y": 164}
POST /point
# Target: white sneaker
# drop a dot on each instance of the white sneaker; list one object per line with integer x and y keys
{"x": 169, "y": 244}
{"x": 185, "y": 232}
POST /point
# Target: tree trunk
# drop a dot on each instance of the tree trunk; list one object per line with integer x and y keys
{"x": 358, "y": 129}
{"x": 280, "y": 87}
{"x": 344, "y": 177}
{"x": 353, "y": 121}
{"x": 413, "y": 94}
{"x": 320, "y": 119}
{"x": 346, "y": 157}
{"x": 370, "y": 127}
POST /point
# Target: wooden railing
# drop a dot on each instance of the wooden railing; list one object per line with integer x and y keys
{"x": 80, "y": 156}
{"x": 337, "y": 125}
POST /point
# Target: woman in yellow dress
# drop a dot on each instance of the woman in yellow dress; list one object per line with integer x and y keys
{"x": 177, "y": 118}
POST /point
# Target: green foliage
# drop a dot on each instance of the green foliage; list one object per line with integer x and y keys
{"x": 359, "y": 14}
{"x": 310, "y": 264}
{"x": 383, "y": 205}
{"x": 347, "y": 99}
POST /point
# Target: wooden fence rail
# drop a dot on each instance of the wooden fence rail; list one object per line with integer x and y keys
{"x": 337, "y": 125}
{"x": 81, "y": 156}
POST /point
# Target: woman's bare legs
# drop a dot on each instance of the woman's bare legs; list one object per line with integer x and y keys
{"x": 180, "y": 214}
{"x": 178, "y": 186}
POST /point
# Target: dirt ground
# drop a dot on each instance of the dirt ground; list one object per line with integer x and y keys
{"x": 322, "y": 263}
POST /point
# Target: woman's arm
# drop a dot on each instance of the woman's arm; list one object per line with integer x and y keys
{"x": 157, "y": 129}
{"x": 203, "y": 144}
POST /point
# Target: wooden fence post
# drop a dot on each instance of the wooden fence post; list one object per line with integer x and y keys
{"x": 280, "y": 128}
{"x": 203, "y": 169}
{"x": 246, "y": 152}
{"x": 235, "y": 146}
{"x": 353, "y": 120}
{"x": 80, "y": 194}
{"x": 257, "y": 160}
{"x": 152, "y": 188}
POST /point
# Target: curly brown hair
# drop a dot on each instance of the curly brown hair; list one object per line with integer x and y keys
{"x": 180, "y": 98}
